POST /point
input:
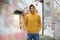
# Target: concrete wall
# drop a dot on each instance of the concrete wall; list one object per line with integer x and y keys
{"x": 48, "y": 14}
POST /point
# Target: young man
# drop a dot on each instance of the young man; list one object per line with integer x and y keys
{"x": 33, "y": 23}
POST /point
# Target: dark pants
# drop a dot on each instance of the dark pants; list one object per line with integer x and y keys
{"x": 33, "y": 36}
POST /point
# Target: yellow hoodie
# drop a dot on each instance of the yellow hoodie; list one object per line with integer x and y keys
{"x": 33, "y": 23}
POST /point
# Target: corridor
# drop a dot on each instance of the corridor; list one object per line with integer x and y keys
{"x": 13, "y": 13}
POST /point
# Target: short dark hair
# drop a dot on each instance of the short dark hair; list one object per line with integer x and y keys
{"x": 17, "y": 12}
{"x": 31, "y": 6}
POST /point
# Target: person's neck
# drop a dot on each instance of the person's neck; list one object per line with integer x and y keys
{"x": 32, "y": 12}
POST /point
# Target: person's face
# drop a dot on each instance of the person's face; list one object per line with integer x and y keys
{"x": 32, "y": 9}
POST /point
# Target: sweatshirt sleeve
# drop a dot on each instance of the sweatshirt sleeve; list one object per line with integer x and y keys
{"x": 25, "y": 23}
{"x": 39, "y": 23}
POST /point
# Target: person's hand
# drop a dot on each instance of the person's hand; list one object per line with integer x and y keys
{"x": 36, "y": 32}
